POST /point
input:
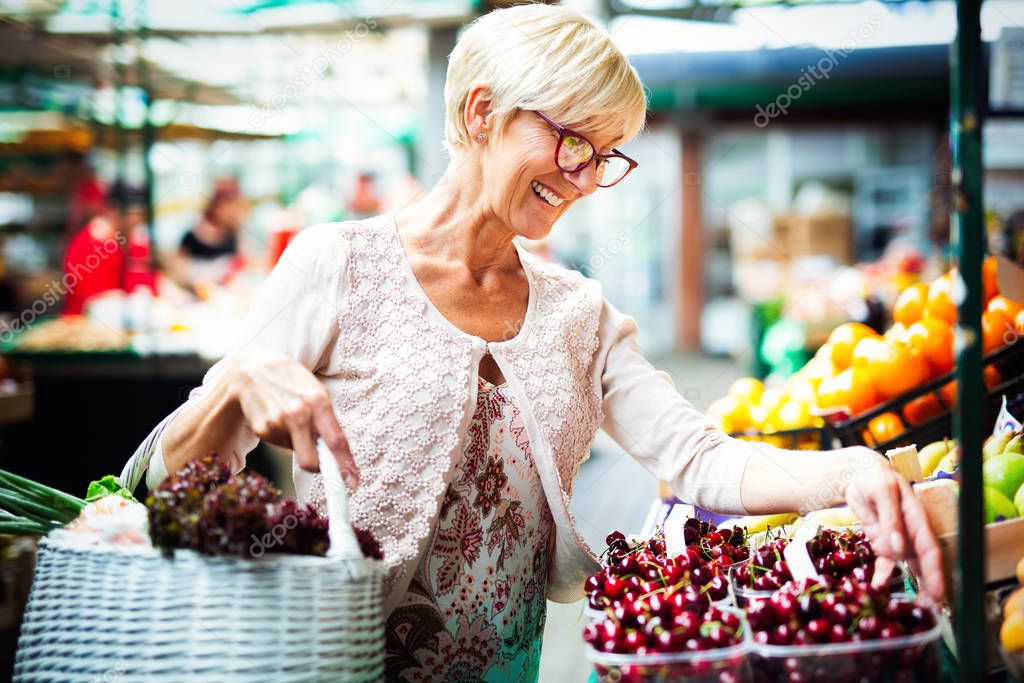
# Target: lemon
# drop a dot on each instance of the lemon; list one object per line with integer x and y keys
{"x": 732, "y": 414}
{"x": 772, "y": 400}
{"x": 801, "y": 390}
{"x": 747, "y": 389}
{"x": 794, "y": 415}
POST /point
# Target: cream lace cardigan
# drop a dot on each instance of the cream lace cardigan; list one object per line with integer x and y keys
{"x": 344, "y": 302}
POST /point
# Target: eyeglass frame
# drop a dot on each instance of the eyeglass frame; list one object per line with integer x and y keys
{"x": 563, "y": 132}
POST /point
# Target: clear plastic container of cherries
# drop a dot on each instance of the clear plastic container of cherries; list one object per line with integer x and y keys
{"x": 836, "y": 553}
{"x": 658, "y": 617}
{"x": 643, "y": 570}
{"x": 842, "y": 632}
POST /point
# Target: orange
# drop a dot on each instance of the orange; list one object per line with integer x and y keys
{"x": 991, "y": 376}
{"x": 988, "y": 278}
{"x": 844, "y": 338}
{"x": 997, "y": 330}
{"x": 1008, "y": 306}
{"x": 934, "y": 338}
{"x": 883, "y": 428}
{"x": 940, "y": 299}
{"x": 867, "y": 350}
{"x": 895, "y": 368}
{"x": 816, "y": 370}
{"x": 894, "y": 332}
{"x": 922, "y": 409}
{"x": 851, "y": 389}
{"x": 909, "y": 306}
{"x": 1018, "y": 323}
{"x": 948, "y": 394}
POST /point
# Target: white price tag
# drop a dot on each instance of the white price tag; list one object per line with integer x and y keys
{"x": 675, "y": 539}
{"x": 799, "y": 560}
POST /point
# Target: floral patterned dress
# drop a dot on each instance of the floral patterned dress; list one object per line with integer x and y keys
{"x": 476, "y": 605}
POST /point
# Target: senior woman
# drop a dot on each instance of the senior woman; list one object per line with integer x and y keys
{"x": 460, "y": 381}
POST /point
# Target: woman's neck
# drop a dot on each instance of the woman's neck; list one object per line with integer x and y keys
{"x": 452, "y": 223}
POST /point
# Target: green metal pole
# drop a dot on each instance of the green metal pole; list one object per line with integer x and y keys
{"x": 120, "y": 141}
{"x": 148, "y": 131}
{"x": 967, "y": 102}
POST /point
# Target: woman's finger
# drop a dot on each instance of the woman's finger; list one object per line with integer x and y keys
{"x": 883, "y": 570}
{"x": 304, "y": 445}
{"x": 330, "y": 431}
{"x": 891, "y": 539}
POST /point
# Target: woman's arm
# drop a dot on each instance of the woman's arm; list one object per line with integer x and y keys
{"x": 648, "y": 417}
{"x": 266, "y": 387}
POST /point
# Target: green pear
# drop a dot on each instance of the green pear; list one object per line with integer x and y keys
{"x": 931, "y": 455}
{"x": 1016, "y": 444}
{"x": 1005, "y": 473}
{"x": 995, "y": 444}
{"x": 1018, "y": 500}
{"x": 997, "y": 505}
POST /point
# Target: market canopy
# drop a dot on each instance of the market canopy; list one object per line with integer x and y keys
{"x": 96, "y": 19}
{"x": 33, "y": 54}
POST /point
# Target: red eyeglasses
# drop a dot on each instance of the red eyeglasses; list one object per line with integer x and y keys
{"x": 574, "y": 152}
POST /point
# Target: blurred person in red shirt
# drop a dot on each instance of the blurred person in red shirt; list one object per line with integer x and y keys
{"x": 95, "y": 259}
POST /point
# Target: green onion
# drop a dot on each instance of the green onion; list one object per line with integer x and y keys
{"x": 40, "y": 493}
{"x": 23, "y": 529}
{"x": 26, "y": 508}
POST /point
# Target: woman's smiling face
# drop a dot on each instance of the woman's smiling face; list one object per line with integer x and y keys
{"x": 526, "y": 189}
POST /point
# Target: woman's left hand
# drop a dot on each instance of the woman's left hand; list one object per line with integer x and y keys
{"x": 894, "y": 520}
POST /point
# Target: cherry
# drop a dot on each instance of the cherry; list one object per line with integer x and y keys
{"x": 891, "y": 630}
{"x": 837, "y": 634}
{"x": 701, "y": 575}
{"x": 614, "y": 587}
{"x": 696, "y": 645}
{"x": 614, "y": 536}
{"x": 687, "y": 624}
{"x": 671, "y": 641}
{"x": 674, "y": 574}
{"x": 760, "y": 614}
{"x": 718, "y": 589}
{"x": 783, "y": 605}
{"x": 624, "y": 615}
{"x": 868, "y": 627}
{"x": 781, "y": 635}
{"x": 818, "y": 630}
{"x": 718, "y": 636}
{"x": 634, "y": 639}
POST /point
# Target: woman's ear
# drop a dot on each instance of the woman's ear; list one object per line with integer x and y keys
{"x": 479, "y": 113}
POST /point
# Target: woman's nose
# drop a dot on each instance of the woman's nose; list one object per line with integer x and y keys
{"x": 585, "y": 179}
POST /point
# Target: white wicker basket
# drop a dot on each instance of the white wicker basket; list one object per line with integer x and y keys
{"x": 99, "y": 615}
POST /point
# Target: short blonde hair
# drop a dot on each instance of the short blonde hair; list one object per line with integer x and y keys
{"x": 547, "y": 58}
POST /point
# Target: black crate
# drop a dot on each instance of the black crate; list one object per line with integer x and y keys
{"x": 1009, "y": 361}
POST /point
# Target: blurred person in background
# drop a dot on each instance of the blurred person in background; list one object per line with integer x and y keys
{"x": 95, "y": 260}
{"x": 208, "y": 253}
{"x": 85, "y": 191}
{"x": 459, "y": 381}
{"x": 365, "y": 202}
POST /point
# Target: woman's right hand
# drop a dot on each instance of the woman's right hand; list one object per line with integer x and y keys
{"x": 287, "y": 406}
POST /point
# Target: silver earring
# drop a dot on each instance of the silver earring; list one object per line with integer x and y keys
{"x": 480, "y": 137}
